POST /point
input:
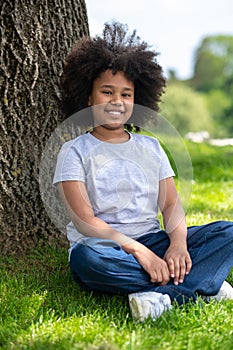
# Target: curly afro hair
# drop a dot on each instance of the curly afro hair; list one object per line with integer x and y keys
{"x": 116, "y": 50}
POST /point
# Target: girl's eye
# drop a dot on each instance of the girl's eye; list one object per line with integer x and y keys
{"x": 126, "y": 95}
{"x": 106, "y": 92}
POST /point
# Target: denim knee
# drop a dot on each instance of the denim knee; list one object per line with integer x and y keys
{"x": 89, "y": 255}
{"x": 80, "y": 257}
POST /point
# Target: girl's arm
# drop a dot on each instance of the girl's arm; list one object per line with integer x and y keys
{"x": 75, "y": 197}
{"x": 177, "y": 256}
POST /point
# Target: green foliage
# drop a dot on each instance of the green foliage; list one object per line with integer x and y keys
{"x": 228, "y": 115}
{"x": 186, "y": 109}
{"x": 213, "y": 63}
{"x": 41, "y": 308}
{"x": 217, "y": 102}
{"x": 213, "y": 71}
{"x": 220, "y": 106}
{"x": 204, "y": 102}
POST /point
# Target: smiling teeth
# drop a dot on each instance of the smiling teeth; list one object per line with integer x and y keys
{"x": 115, "y": 112}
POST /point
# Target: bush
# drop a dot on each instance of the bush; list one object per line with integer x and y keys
{"x": 186, "y": 109}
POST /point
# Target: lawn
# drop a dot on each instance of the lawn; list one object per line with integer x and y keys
{"x": 42, "y": 308}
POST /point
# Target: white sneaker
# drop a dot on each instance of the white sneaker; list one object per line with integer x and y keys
{"x": 225, "y": 293}
{"x": 148, "y": 304}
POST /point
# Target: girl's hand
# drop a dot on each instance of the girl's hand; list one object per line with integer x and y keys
{"x": 178, "y": 261}
{"x": 155, "y": 266}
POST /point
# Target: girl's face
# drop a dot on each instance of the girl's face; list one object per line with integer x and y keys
{"x": 112, "y": 98}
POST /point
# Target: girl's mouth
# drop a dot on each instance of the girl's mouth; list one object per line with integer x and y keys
{"x": 114, "y": 113}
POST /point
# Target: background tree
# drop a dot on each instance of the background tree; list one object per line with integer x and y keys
{"x": 213, "y": 64}
{"x": 186, "y": 109}
{"x": 227, "y": 119}
{"x": 35, "y": 38}
{"x": 213, "y": 71}
{"x": 218, "y": 104}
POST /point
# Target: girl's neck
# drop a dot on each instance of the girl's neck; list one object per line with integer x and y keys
{"x": 111, "y": 136}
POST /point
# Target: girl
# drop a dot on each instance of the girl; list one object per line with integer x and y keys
{"x": 113, "y": 182}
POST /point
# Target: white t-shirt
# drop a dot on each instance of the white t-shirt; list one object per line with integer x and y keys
{"x": 122, "y": 180}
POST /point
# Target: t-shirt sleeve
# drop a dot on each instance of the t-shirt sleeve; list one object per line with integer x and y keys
{"x": 165, "y": 168}
{"x": 69, "y": 164}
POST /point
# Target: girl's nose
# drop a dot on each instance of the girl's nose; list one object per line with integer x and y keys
{"x": 116, "y": 99}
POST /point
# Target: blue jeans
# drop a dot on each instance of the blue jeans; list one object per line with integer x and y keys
{"x": 102, "y": 265}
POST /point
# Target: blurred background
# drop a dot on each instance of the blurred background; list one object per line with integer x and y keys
{"x": 194, "y": 39}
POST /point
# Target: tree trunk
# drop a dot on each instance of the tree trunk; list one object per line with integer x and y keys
{"x": 35, "y": 38}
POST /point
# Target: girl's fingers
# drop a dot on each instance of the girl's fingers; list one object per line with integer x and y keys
{"x": 188, "y": 265}
{"x": 178, "y": 268}
{"x": 171, "y": 267}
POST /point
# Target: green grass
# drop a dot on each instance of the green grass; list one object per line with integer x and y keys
{"x": 212, "y": 190}
{"x": 42, "y": 308}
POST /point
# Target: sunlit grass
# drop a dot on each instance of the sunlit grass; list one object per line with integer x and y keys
{"x": 212, "y": 189}
{"x": 42, "y": 308}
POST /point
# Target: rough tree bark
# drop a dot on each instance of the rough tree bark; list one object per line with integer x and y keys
{"x": 35, "y": 38}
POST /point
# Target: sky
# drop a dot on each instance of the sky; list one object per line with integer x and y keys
{"x": 174, "y": 28}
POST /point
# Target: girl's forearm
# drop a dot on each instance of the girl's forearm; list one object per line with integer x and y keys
{"x": 95, "y": 227}
{"x": 175, "y": 223}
